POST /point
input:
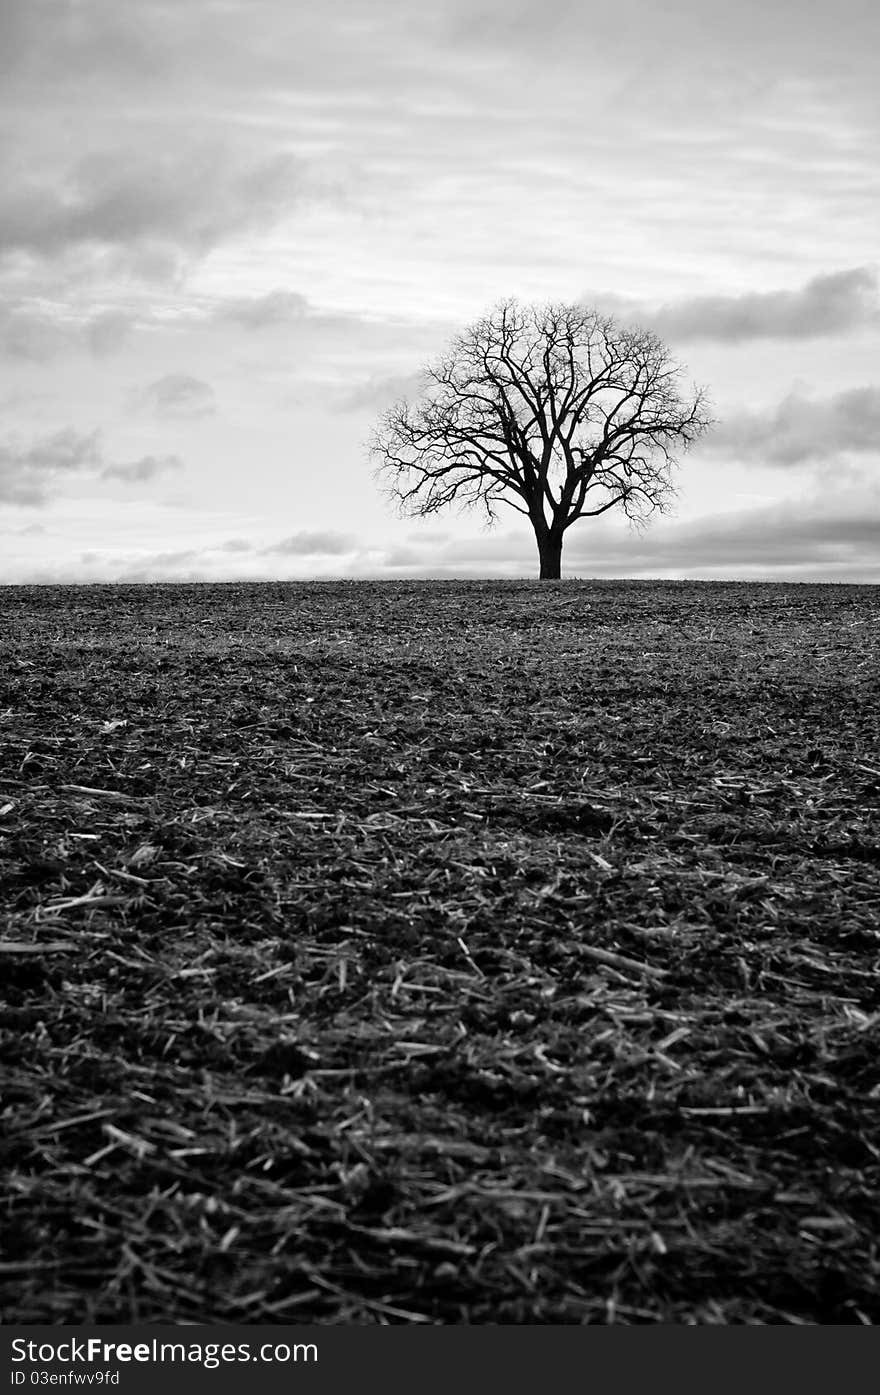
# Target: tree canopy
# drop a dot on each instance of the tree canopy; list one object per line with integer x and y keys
{"x": 557, "y": 411}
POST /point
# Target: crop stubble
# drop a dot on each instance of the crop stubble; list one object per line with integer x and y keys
{"x": 440, "y": 952}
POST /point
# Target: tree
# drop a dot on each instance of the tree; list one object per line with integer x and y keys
{"x": 557, "y": 411}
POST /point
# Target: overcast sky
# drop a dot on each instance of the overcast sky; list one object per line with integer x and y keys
{"x": 232, "y": 230}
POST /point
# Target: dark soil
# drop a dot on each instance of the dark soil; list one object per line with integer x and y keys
{"x": 440, "y": 952}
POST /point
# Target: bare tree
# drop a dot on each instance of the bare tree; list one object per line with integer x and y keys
{"x": 555, "y": 410}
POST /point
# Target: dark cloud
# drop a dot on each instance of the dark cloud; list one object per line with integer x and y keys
{"x": 833, "y": 304}
{"x": 801, "y": 539}
{"x": 802, "y": 429}
{"x": 177, "y": 395}
{"x": 57, "y": 39}
{"x": 780, "y": 536}
{"x": 316, "y": 544}
{"x": 262, "y": 312}
{"x": 191, "y": 200}
{"x": 140, "y": 471}
{"x": 27, "y": 473}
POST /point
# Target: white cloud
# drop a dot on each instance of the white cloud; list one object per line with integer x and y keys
{"x": 28, "y": 530}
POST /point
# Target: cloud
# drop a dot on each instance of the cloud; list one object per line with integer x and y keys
{"x": 29, "y": 474}
{"x": 26, "y": 398}
{"x": 66, "y": 41}
{"x": 173, "y": 559}
{"x": 139, "y": 471}
{"x": 264, "y": 311}
{"x": 826, "y": 305}
{"x": 31, "y": 333}
{"x": 236, "y": 545}
{"x": 792, "y": 535}
{"x": 802, "y": 429}
{"x": 380, "y": 390}
{"x": 402, "y": 556}
{"x": 177, "y": 395}
{"x": 430, "y": 535}
{"x": 192, "y": 200}
{"x": 37, "y": 332}
{"x": 107, "y": 331}
{"x": 801, "y": 539}
{"x": 26, "y": 473}
{"x": 327, "y": 544}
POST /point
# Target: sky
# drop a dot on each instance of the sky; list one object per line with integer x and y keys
{"x": 233, "y": 231}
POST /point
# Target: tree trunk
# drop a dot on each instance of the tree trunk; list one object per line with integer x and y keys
{"x": 550, "y": 554}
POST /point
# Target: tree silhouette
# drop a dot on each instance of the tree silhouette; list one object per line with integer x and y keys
{"x": 557, "y": 411}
